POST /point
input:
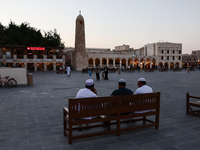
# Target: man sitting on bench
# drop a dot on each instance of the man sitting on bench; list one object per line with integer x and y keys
{"x": 122, "y": 90}
{"x": 88, "y": 91}
{"x": 143, "y": 88}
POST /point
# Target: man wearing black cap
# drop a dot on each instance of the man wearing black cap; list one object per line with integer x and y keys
{"x": 143, "y": 88}
{"x": 122, "y": 90}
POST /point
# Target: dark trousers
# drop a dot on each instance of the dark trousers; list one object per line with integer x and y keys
{"x": 97, "y": 76}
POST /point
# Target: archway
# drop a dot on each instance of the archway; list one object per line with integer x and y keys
{"x": 104, "y": 62}
{"x": 124, "y": 62}
{"x": 136, "y": 61}
{"x": 148, "y": 62}
{"x": 97, "y": 62}
{"x": 160, "y": 65}
{"x": 110, "y": 61}
{"x": 177, "y": 65}
{"x": 58, "y": 65}
{"x": 142, "y": 63}
{"x": 49, "y": 66}
{"x": 130, "y": 62}
{"x": 117, "y": 63}
{"x": 90, "y": 62}
{"x": 166, "y": 65}
{"x": 184, "y": 65}
{"x": 171, "y": 65}
{"x": 40, "y": 66}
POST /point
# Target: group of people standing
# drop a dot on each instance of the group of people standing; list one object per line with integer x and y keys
{"x": 104, "y": 74}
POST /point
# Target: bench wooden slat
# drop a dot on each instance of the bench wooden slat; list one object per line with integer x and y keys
{"x": 113, "y": 109}
{"x": 192, "y": 106}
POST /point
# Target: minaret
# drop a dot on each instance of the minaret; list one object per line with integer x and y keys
{"x": 80, "y": 57}
{"x": 80, "y": 34}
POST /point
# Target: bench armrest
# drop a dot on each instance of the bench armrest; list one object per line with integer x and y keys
{"x": 66, "y": 110}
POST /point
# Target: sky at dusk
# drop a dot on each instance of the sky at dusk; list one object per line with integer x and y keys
{"x": 110, "y": 23}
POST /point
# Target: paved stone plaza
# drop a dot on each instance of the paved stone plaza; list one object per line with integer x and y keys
{"x": 31, "y": 116}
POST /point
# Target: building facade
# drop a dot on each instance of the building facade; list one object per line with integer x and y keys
{"x": 154, "y": 55}
{"x": 165, "y": 54}
{"x": 168, "y": 55}
{"x": 192, "y": 60}
{"x": 32, "y": 58}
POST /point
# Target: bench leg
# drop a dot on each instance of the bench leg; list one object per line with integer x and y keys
{"x": 118, "y": 127}
{"x": 108, "y": 125}
{"x": 157, "y": 121}
{"x": 144, "y": 119}
{"x": 70, "y": 134}
{"x": 187, "y": 103}
{"x": 64, "y": 123}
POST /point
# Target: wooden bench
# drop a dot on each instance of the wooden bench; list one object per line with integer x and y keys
{"x": 192, "y": 69}
{"x": 112, "y": 111}
{"x": 130, "y": 70}
{"x": 61, "y": 71}
{"x": 177, "y": 69}
{"x": 163, "y": 69}
{"x": 111, "y": 70}
{"x": 192, "y": 106}
{"x": 149, "y": 70}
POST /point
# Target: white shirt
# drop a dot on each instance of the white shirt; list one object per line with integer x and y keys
{"x": 83, "y": 93}
{"x": 141, "y": 90}
{"x": 144, "y": 89}
{"x": 68, "y": 69}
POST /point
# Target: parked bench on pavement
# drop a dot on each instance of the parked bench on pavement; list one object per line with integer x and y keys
{"x": 149, "y": 70}
{"x": 110, "y": 112}
{"x": 130, "y": 70}
{"x": 177, "y": 69}
{"x": 163, "y": 69}
{"x": 192, "y": 105}
{"x": 61, "y": 71}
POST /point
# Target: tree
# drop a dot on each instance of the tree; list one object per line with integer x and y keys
{"x": 26, "y": 35}
{"x": 52, "y": 39}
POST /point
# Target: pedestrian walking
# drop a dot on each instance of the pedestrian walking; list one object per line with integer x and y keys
{"x": 68, "y": 70}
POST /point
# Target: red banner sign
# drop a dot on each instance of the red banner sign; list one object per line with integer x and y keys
{"x": 36, "y": 48}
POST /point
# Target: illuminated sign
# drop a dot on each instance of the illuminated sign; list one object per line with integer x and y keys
{"x": 36, "y": 48}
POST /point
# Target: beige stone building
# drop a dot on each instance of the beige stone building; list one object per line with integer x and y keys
{"x": 192, "y": 60}
{"x": 160, "y": 54}
{"x": 154, "y": 55}
{"x": 167, "y": 54}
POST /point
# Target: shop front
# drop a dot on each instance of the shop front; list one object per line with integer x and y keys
{"x": 30, "y": 67}
{"x": 40, "y": 66}
{"x": 49, "y": 66}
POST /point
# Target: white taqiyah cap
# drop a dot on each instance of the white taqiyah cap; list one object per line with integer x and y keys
{"x": 89, "y": 82}
{"x": 141, "y": 79}
{"x": 121, "y": 80}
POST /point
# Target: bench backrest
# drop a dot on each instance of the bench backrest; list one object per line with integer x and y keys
{"x": 139, "y": 102}
{"x": 95, "y": 106}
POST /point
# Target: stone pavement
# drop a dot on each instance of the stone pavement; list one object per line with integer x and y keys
{"x": 31, "y": 116}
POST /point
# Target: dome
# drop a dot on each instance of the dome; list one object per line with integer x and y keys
{"x": 80, "y": 17}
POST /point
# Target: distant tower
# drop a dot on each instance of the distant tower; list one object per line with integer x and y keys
{"x": 80, "y": 57}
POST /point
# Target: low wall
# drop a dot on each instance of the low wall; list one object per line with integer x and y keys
{"x": 20, "y": 74}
